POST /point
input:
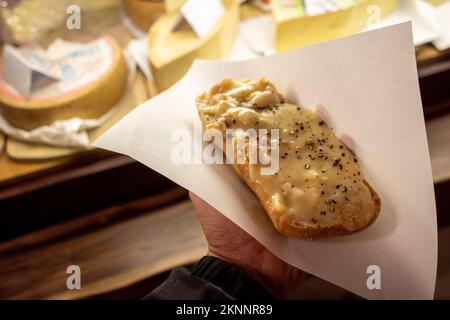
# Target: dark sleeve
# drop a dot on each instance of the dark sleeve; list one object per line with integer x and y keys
{"x": 209, "y": 279}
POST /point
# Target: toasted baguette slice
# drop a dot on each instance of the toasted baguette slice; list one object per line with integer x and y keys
{"x": 318, "y": 190}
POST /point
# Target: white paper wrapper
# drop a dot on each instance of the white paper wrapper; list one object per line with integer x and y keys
{"x": 443, "y": 14}
{"x": 368, "y": 85}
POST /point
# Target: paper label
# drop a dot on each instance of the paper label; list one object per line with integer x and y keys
{"x": 202, "y": 16}
{"x": 28, "y": 69}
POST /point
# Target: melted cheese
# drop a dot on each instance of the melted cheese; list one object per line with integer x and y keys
{"x": 319, "y": 181}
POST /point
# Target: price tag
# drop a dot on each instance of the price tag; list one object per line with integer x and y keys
{"x": 27, "y": 72}
{"x": 201, "y": 15}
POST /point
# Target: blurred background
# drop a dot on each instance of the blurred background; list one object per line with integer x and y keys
{"x": 70, "y": 69}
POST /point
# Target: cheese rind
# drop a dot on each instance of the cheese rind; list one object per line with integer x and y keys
{"x": 143, "y": 13}
{"x": 171, "y": 53}
{"x": 86, "y": 98}
{"x": 172, "y": 5}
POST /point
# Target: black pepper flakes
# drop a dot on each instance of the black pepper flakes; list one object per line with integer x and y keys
{"x": 335, "y": 162}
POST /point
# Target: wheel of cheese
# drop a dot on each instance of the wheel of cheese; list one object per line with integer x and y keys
{"x": 143, "y": 13}
{"x": 296, "y": 27}
{"x": 171, "y": 53}
{"x": 94, "y": 78}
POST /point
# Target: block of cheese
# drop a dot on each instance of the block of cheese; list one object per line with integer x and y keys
{"x": 144, "y": 12}
{"x": 171, "y": 53}
{"x": 297, "y": 24}
{"x": 93, "y": 77}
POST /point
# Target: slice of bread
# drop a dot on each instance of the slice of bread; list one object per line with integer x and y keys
{"x": 318, "y": 189}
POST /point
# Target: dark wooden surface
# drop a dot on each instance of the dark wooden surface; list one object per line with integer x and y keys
{"x": 434, "y": 81}
{"x": 112, "y": 253}
{"x": 73, "y": 190}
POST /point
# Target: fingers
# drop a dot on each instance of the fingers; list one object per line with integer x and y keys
{"x": 207, "y": 213}
{"x": 212, "y": 221}
{"x": 201, "y": 207}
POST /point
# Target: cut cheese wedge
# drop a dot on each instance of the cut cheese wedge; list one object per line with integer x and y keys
{"x": 171, "y": 53}
{"x": 319, "y": 189}
{"x": 93, "y": 79}
{"x": 331, "y": 19}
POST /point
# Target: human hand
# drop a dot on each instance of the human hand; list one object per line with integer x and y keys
{"x": 229, "y": 242}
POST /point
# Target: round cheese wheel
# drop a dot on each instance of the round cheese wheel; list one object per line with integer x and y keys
{"x": 93, "y": 79}
{"x": 143, "y": 13}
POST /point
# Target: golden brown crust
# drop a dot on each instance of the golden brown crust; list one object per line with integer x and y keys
{"x": 308, "y": 232}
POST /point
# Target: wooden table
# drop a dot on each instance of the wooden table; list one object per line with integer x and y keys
{"x": 112, "y": 254}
